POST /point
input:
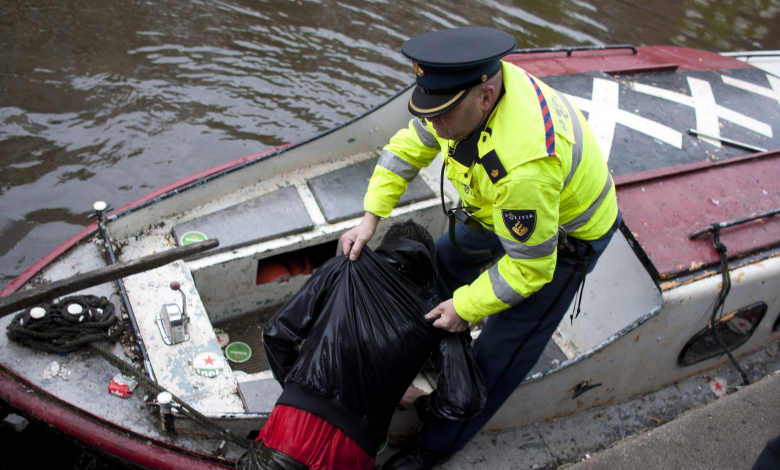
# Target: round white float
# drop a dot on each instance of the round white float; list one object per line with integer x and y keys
{"x": 38, "y": 312}
{"x": 75, "y": 309}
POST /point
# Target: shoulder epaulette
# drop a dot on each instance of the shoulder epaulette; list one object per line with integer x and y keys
{"x": 493, "y": 167}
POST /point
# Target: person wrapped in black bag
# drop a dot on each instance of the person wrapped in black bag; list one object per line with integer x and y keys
{"x": 366, "y": 338}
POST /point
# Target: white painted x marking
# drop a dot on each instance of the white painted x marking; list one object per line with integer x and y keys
{"x": 603, "y": 114}
{"x": 707, "y": 110}
{"x": 773, "y": 92}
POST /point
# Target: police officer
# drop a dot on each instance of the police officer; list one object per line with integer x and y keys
{"x": 535, "y": 190}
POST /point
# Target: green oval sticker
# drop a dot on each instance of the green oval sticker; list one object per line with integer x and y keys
{"x": 193, "y": 237}
{"x": 238, "y": 352}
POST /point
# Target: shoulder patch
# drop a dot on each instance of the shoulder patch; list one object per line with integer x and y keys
{"x": 521, "y": 224}
{"x": 493, "y": 167}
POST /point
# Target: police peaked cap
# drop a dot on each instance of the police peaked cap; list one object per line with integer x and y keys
{"x": 450, "y": 62}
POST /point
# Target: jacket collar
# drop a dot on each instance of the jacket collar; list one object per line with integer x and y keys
{"x": 466, "y": 150}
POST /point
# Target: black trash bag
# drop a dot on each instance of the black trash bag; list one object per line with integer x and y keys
{"x": 366, "y": 339}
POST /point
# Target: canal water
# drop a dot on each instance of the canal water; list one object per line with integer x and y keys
{"x": 111, "y": 100}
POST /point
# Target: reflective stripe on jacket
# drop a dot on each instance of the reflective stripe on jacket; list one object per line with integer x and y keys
{"x": 555, "y": 176}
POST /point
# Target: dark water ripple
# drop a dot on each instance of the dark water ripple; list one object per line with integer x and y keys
{"x": 110, "y": 100}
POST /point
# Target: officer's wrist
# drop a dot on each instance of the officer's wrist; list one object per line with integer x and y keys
{"x": 371, "y": 218}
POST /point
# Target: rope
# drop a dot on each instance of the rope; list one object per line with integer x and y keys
{"x": 720, "y": 303}
{"x": 61, "y": 332}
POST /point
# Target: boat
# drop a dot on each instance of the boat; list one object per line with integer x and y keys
{"x": 693, "y": 143}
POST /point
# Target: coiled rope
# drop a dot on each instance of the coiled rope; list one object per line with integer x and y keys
{"x": 60, "y": 331}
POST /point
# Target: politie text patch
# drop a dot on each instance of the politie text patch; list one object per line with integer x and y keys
{"x": 521, "y": 224}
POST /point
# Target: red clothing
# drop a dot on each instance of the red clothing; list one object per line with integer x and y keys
{"x": 312, "y": 441}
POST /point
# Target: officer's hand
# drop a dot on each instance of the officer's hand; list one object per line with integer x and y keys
{"x": 411, "y": 395}
{"x": 353, "y": 240}
{"x": 450, "y": 320}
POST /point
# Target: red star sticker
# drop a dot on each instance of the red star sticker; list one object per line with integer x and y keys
{"x": 208, "y": 361}
{"x": 718, "y": 386}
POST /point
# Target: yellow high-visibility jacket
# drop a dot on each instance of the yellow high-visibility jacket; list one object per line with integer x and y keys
{"x": 549, "y": 172}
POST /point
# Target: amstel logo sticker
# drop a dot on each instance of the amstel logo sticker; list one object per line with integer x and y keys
{"x": 238, "y": 352}
{"x": 208, "y": 364}
{"x": 193, "y": 237}
{"x": 521, "y": 224}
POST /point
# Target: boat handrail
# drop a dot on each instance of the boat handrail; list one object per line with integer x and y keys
{"x": 730, "y": 223}
{"x": 751, "y": 54}
{"x": 569, "y": 50}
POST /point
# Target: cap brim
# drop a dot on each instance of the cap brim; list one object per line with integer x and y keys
{"x": 424, "y": 105}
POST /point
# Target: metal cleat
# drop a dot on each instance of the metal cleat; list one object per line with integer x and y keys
{"x": 165, "y": 406}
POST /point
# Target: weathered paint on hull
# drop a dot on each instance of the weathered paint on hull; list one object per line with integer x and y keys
{"x": 643, "y": 357}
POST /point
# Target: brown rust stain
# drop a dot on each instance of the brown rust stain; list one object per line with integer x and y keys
{"x": 669, "y": 281}
{"x": 671, "y": 284}
{"x": 580, "y": 404}
{"x": 637, "y": 338}
{"x": 694, "y": 266}
{"x": 738, "y": 277}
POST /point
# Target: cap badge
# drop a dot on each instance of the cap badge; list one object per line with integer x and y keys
{"x": 484, "y": 78}
{"x": 418, "y": 69}
{"x": 494, "y": 173}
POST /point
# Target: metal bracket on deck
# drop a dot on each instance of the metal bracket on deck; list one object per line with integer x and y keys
{"x": 166, "y": 408}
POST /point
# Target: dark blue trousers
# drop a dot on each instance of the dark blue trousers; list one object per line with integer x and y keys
{"x": 511, "y": 341}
